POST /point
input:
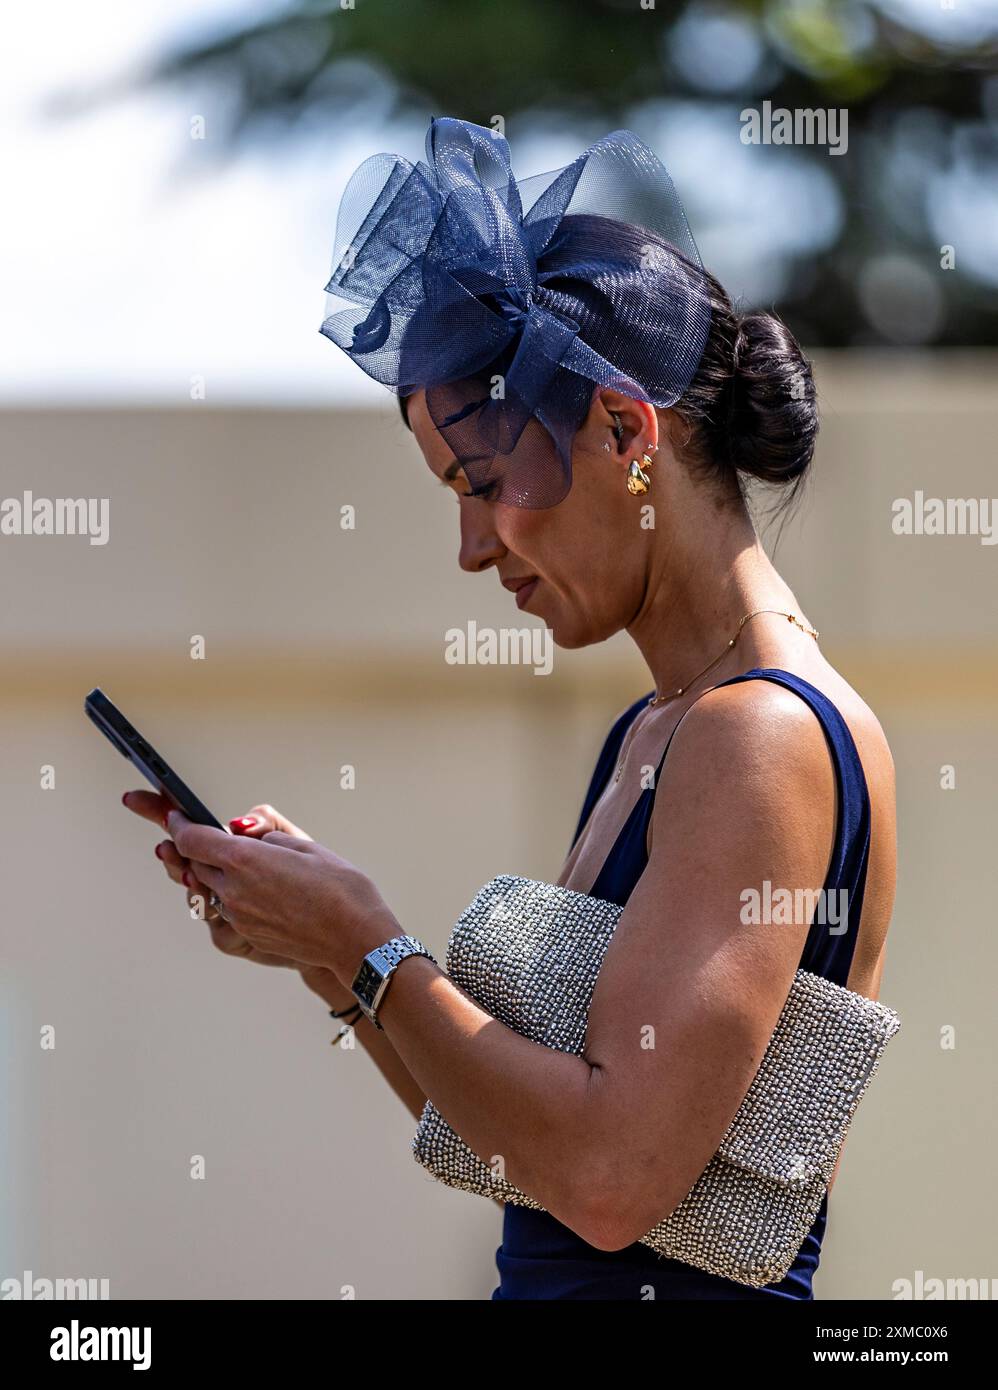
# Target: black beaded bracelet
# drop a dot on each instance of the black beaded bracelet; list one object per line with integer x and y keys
{"x": 354, "y": 1009}
{"x": 341, "y": 1013}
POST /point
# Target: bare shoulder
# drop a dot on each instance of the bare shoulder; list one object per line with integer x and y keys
{"x": 761, "y": 721}
{"x": 758, "y": 753}
{"x": 753, "y": 729}
{"x": 747, "y": 779}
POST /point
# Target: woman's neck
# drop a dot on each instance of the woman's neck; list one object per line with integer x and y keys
{"x": 702, "y": 582}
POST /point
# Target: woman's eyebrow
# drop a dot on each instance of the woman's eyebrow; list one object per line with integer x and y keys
{"x": 451, "y": 471}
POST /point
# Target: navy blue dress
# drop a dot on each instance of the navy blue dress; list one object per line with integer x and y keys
{"x": 542, "y": 1259}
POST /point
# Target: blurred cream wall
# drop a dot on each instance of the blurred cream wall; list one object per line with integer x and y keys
{"x": 325, "y": 646}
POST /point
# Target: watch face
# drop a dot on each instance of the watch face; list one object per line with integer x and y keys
{"x": 367, "y": 981}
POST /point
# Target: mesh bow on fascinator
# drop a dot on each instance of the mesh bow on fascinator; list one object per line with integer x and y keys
{"x": 509, "y": 303}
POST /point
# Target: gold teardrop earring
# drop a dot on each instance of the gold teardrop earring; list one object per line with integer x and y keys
{"x": 638, "y": 480}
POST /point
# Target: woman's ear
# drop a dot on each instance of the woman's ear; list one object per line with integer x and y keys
{"x": 632, "y": 425}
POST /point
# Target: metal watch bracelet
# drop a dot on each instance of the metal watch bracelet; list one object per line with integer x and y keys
{"x": 378, "y": 966}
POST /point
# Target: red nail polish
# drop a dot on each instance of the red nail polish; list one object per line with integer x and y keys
{"x": 124, "y": 798}
{"x": 187, "y": 880}
{"x": 243, "y": 822}
{"x": 159, "y": 851}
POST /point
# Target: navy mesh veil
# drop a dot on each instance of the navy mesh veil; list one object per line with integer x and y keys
{"x": 511, "y": 302}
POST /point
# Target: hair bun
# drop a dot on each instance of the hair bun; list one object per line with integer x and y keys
{"x": 774, "y": 412}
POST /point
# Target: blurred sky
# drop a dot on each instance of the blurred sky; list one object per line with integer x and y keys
{"x": 135, "y": 258}
{"x": 132, "y": 260}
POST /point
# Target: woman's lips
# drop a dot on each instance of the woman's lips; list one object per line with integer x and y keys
{"x": 524, "y": 591}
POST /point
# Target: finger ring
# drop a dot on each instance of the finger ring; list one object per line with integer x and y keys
{"x": 215, "y": 902}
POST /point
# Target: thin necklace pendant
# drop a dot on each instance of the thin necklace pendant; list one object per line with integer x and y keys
{"x": 625, "y": 749}
{"x": 623, "y": 757}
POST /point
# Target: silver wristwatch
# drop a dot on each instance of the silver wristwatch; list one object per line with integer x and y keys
{"x": 376, "y": 970}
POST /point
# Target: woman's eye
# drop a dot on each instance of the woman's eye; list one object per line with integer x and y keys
{"x": 487, "y": 493}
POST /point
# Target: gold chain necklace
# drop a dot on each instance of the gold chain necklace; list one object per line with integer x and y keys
{"x": 664, "y": 699}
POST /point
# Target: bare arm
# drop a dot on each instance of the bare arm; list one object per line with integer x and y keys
{"x": 610, "y": 1142}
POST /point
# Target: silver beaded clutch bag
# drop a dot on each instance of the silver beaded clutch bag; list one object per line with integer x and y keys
{"x": 529, "y": 954}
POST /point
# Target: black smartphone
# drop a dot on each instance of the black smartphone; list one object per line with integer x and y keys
{"x": 114, "y": 726}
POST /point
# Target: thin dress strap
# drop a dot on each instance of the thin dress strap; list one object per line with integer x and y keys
{"x": 830, "y": 945}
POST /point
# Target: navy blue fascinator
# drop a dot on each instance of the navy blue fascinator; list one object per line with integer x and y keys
{"x": 509, "y": 303}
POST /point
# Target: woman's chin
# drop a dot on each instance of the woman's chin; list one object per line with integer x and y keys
{"x": 568, "y": 630}
{"x": 569, "y": 635}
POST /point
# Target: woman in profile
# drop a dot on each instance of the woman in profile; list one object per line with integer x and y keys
{"x": 598, "y": 410}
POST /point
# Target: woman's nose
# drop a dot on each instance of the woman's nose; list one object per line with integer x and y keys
{"x": 480, "y": 544}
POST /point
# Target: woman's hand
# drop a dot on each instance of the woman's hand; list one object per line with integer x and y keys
{"x": 259, "y": 821}
{"x": 284, "y": 895}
